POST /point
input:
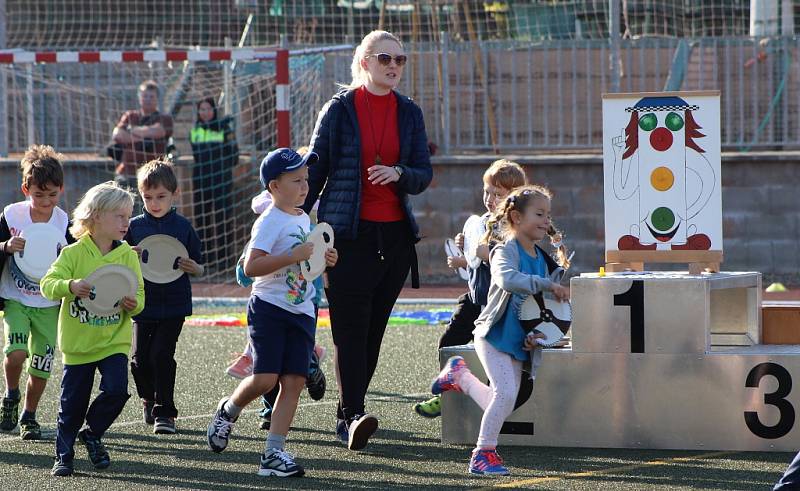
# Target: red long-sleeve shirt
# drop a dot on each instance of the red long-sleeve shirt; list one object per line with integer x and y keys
{"x": 377, "y": 121}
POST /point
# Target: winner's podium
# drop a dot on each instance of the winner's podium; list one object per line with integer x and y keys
{"x": 657, "y": 360}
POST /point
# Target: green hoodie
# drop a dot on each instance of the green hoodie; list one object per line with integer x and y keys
{"x": 83, "y": 336}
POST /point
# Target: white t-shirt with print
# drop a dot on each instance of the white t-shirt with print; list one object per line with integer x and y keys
{"x": 277, "y": 232}
{"x": 14, "y": 285}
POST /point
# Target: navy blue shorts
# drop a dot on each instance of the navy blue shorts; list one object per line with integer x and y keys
{"x": 282, "y": 341}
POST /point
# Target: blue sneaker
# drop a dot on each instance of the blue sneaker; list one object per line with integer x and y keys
{"x": 487, "y": 463}
{"x": 342, "y": 432}
{"x": 95, "y": 448}
{"x": 446, "y": 379}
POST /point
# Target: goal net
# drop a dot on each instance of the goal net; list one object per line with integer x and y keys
{"x": 75, "y": 106}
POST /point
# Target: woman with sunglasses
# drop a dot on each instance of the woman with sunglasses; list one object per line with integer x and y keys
{"x": 373, "y": 154}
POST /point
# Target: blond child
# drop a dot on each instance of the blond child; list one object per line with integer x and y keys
{"x": 92, "y": 342}
{"x": 280, "y": 312}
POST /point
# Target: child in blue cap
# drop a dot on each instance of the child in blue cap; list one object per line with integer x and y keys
{"x": 280, "y": 312}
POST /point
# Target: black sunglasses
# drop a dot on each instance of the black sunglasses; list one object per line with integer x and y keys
{"x": 385, "y": 58}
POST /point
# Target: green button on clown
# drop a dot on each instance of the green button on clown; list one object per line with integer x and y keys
{"x": 658, "y": 163}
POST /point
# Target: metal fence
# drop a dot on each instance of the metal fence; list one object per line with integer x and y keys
{"x": 504, "y": 96}
{"x": 522, "y": 96}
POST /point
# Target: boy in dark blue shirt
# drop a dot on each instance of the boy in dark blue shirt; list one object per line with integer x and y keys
{"x": 157, "y": 327}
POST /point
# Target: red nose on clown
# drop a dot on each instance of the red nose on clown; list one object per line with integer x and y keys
{"x": 661, "y": 165}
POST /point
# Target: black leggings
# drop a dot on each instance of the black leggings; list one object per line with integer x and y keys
{"x": 362, "y": 290}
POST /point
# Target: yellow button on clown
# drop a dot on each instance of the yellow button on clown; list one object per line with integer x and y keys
{"x": 658, "y": 162}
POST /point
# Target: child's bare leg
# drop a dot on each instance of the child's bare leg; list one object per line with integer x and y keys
{"x": 33, "y": 392}
{"x": 12, "y": 368}
{"x": 253, "y": 387}
{"x": 286, "y": 405}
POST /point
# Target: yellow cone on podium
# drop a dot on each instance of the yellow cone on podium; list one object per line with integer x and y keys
{"x": 776, "y": 288}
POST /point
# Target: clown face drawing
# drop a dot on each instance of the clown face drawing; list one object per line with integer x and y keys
{"x": 658, "y": 163}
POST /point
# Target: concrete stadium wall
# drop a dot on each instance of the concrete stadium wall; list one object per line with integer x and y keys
{"x": 761, "y": 219}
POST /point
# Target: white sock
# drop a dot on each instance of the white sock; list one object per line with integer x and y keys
{"x": 232, "y": 409}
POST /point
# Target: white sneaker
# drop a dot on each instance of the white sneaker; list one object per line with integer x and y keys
{"x": 279, "y": 463}
{"x": 219, "y": 429}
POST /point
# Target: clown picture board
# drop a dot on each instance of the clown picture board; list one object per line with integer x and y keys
{"x": 661, "y": 168}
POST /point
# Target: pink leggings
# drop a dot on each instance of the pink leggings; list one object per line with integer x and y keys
{"x": 497, "y": 400}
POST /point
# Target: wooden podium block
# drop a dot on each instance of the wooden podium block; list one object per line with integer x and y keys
{"x": 781, "y": 324}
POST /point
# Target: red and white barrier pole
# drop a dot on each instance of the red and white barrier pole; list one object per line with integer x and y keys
{"x": 282, "y": 106}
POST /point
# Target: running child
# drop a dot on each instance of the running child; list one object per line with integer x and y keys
{"x": 91, "y": 342}
{"x": 519, "y": 267}
{"x": 280, "y": 311}
{"x": 243, "y": 365}
{"x": 157, "y": 327}
{"x": 30, "y": 320}
{"x": 498, "y": 181}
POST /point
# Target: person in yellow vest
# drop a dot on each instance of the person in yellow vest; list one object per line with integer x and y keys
{"x": 215, "y": 155}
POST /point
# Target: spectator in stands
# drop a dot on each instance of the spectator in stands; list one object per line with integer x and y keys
{"x": 141, "y": 135}
{"x": 215, "y": 155}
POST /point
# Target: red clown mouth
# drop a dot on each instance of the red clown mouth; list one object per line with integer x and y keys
{"x": 663, "y": 237}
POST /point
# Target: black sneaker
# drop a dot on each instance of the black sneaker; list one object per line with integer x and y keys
{"x": 29, "y": 429}
{"x": 62, "y": 468}
{"x": 164, "y": 426}
{"x": 147, "y": 412}
{"x": 360, "y": 429}
{"x": 315, "y": 383}
{"x": 94, "y": 447}
{"x": 265, "y": 414}
{"x": 9, "y": 414}
{"x": 279, "y": 463}
{"x": 219, "y": 429}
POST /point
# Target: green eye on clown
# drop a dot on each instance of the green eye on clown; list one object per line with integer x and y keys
{"x": 674, "y": 121}
{"x": 648, "y": 122}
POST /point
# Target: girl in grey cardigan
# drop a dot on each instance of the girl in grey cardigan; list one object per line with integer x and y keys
{"x": 519, "y": 268}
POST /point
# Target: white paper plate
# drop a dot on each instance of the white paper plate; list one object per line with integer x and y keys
{"x": 545, "y": 314}
{"x": 159, "y": 258}
{"x": 322, "y": 238}
{"x": 473, "y": 234}
{"x": 109, "y": 284}
{"x": 43, "y": 243}
{"x": 452, "y": 250}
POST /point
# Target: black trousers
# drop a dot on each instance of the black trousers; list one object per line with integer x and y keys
{"x": 153, "y": 363}
{"x": 362, "y": 290}
{"x": 462, "y": 322}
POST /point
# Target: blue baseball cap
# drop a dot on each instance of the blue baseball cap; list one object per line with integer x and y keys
{"x": 283, "y": 160}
